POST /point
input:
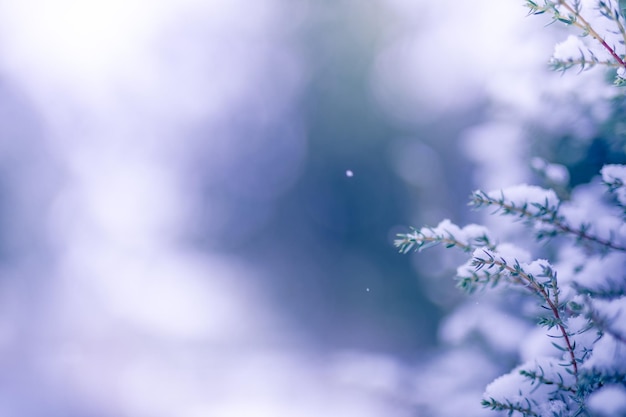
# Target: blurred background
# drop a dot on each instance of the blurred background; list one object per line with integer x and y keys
{"x": 198, "y": 198}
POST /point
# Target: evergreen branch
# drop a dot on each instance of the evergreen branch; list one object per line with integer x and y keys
{"x": 536, "y": 9}
{"x": 418, "y": 241}
{"x": 613, "y": 15}
{"x": 582, "y": 235}
{"x": 576, "y": 17}
{"x": 444, "y": 233}
{"x": 470, "y": 283}
{"x": 544, "y": 214}
{"x": 510, "y": 407}
{"x": 583, "y": 63}
{"x": 519, "y": 276}
{"x": 590, "y": 380}
{"x": 541, "y": 379}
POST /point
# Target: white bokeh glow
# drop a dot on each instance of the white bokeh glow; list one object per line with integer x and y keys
{"x": 446, "y": 53}
{"x": 130, "y": 320}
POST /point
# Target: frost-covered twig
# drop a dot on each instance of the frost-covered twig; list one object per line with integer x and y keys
{"x": 574, "y": 52}
{"x": 580, "y": 22}
{"x": 467, "y": 239}
{"x": 539, "y": 378}
{"x": 614, "y": 177}
{"x": 548, "y": 290}
{"x": 488, "y": 267}
{"x": 614, "y": 15}
{"x": 543, "y": 210}
{"x": 525, "y": 411}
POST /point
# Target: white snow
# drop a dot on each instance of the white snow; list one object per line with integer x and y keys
{"x": 570, "y": 50}
{"x": 608, "y": 401}
{"x": 515, "y": 387}
{"x": 614, "y": 311}
{"x": 609, "y": 355}
{"x": 523, "y": 194}
{"x": 613, "y": 172}
{"x": 446, "y": 229}
{"x": 616, "y": 174}
{"x": 489, "y": 323}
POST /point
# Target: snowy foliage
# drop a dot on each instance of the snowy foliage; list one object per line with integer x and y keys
{"x": 615, "y": 177}
{"x": 560, "y": 304}
{"x": 581, "y": 297}
{"x": 601, "y": 20}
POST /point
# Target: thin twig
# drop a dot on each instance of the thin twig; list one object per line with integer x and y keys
{"x": 587, "y": 27}
{"x": 542, "y": 292}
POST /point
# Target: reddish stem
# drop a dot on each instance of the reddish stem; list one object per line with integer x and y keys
{"x": 588, "y": 28}
{"x": 555, "y": 311}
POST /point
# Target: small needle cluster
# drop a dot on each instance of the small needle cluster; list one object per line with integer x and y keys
{"x": 601, "y": 34}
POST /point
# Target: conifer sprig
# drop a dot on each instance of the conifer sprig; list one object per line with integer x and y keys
{"x": 570, "y": 13}
{"x": 547, "y": 289}
{"x": 467, "y": 239}
{"x": 544, "y": 213}
{"x": 418, "y": 241}
{"x": 510, "y": 407}
{"x": 540, "y": 378}
{"x": 580, "y": 22}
